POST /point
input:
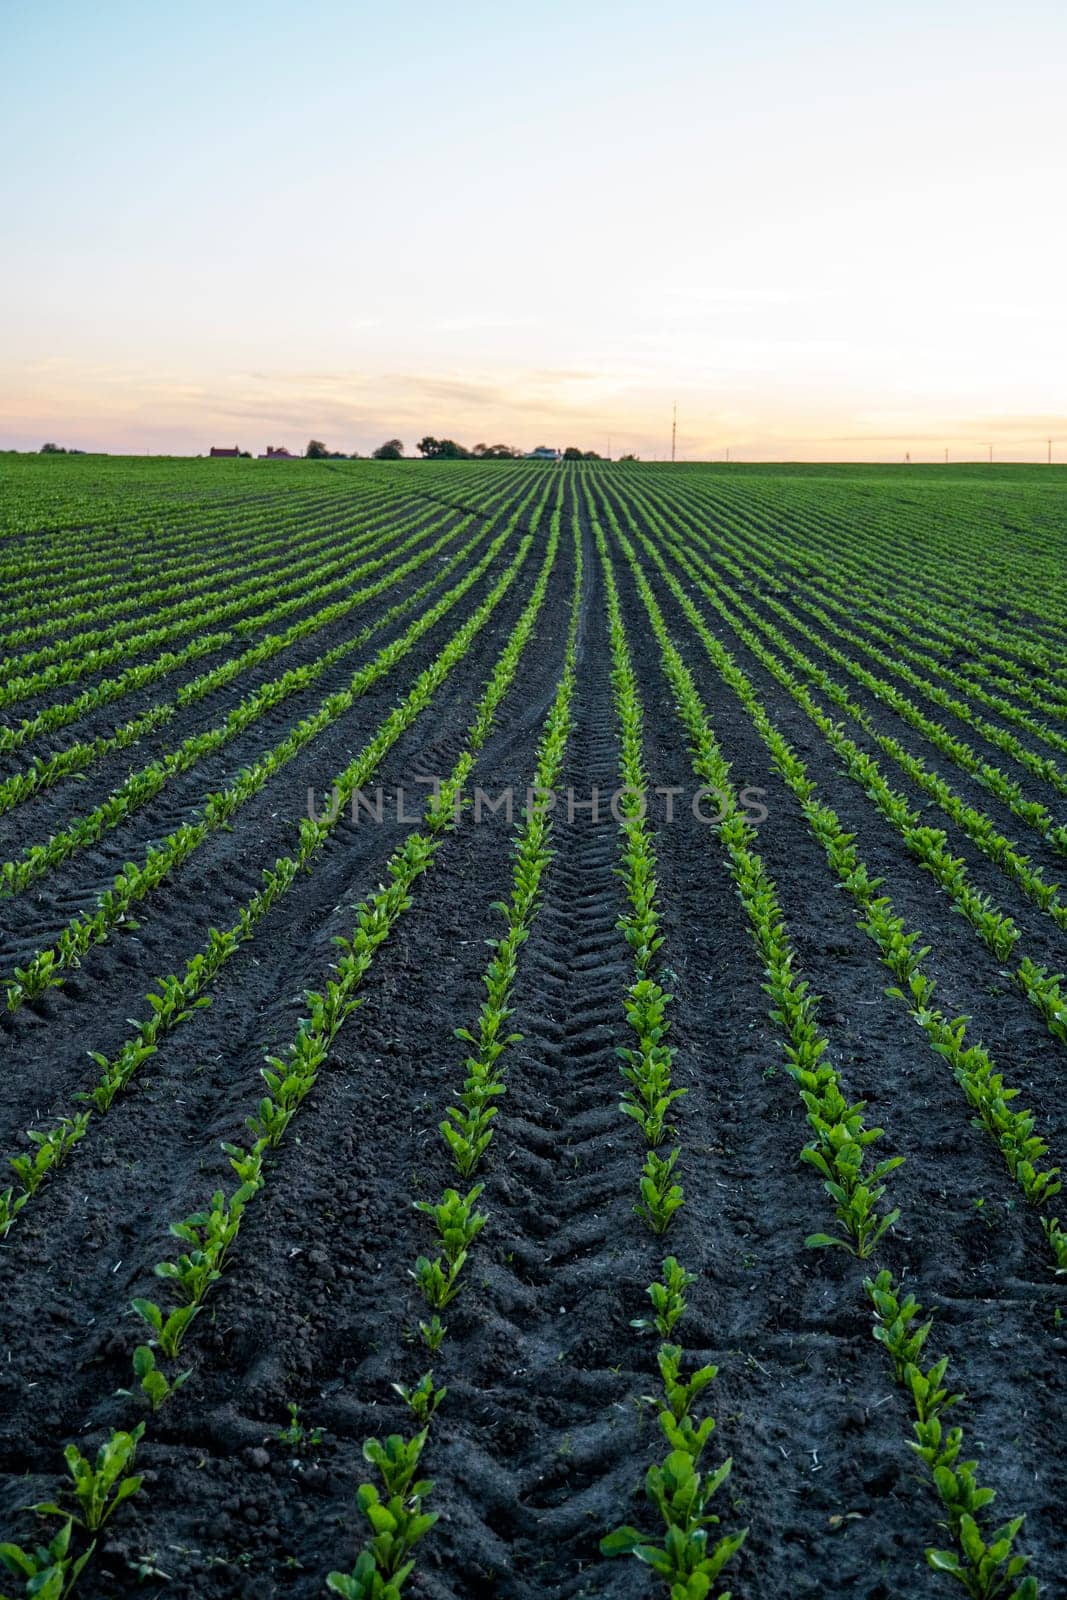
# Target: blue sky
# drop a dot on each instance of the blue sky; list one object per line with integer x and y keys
{"x": 825, "y": 232}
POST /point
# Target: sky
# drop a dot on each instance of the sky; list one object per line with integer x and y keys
{"x": 824, "y": 231}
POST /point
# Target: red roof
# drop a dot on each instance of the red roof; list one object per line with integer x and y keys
{"x": 216, "y": 450}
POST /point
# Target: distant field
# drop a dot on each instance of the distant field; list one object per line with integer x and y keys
{"x": 306, "y": 766}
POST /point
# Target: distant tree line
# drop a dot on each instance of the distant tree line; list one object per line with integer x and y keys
{"x": 393, "y": 450}
{"x": 432, "y": 449}
{"x": 448, "y": 450}
{"x": 317, "y": 451}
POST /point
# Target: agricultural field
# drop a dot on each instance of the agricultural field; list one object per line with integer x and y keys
{"x": 532, "y": 1030}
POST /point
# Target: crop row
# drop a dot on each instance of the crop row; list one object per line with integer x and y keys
{"x": 901, "y": 951}
{"x": 211, "y": 1234}
{"x": 394, "y": 1509}
{"x": 145, "y": 783}
{"x": 48, "y": 966}
{"x": 174, "y": 587}
{"x": 45, "y": 771}
{"x": 985, "y": 1560}
{"x": 825, "y": 551}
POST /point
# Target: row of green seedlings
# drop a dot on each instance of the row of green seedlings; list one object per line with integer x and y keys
{"x": 395, "y": 1511}
{"x": 1012, "y": 1129}
{"x": 677, "y": 1489}
{"x": 1041, "y": 766}
{"x": 271, "y": 601}
{"x": 1007, "y": 790}
{"x": 842, "y": 1140}
{"x": 190, "y": 559}
{"x": 315, "y": 526}
{"x": 102, "y": 552}
{"x": 929, "y": 846}
{"x": 48, "y": 967}
{"x": 986, "y": 1565}
{"x": 168, "y": 581}
{"x": 210, "y": 1234}
{"x": 842, "y": 1143}
{"x": 59, "y": 715}
{"x": 147, "y": 782}
{"x": 272, "y": 576}
{"x": 935, "y": 625}
{"x": 833, "y": 588}
{"x": 836, "y": 546}
{"x": 44, "y": 771}
{"x": 977, "y": 825}
{"x": 181, "y": 995}
{"x": 649, "y": 1093}
{"x": 285, "y": 594}
{"x": 1004, "y": 740}
{"x": 692, "y": 1555}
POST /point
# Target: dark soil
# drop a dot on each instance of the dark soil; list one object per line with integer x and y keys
{"x": 543, "y": 1439}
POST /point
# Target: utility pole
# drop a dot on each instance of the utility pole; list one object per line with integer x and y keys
{"x": 990, "y": 455}
{"x": 1050, "y": 452}
{"x": 946, "y": 455}
{"x": 727, "y": 453}
{"x": 674, "y": 428}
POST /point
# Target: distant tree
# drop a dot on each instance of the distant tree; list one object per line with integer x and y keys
{"x": 391, "y": 450}
{"x": 442, "y": 449}
{"x": 629, "y": 458}
{"x": 316, "y": 450}
{"x": 591, "y": 455}
{"x": 496, "y": 452}
{"x": 246, "y": 455}
{"x": 572, "y": 453}
{"x": 53, "y": 449}
{"x": 354, "y": 455}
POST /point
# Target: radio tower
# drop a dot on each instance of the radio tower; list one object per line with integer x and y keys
{"x": 674, "y": 428}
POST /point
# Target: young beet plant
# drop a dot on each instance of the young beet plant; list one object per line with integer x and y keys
{"x": 397, "y": 1521}
{"x": 154, "y": 1383}
{"x": 660, "y": 1196}
{"x": 668, "y": 1299}
{"x": 985, "y": 1566}
{"x": 422, "y": 1399}
{"x": 688, "y": 1559}
{"x": 649, "y": 1096}
{"x": 98, "y": 1488}
{"x": 50, "y": 1149}
{"x": 49, "y": 1571}
{"x": 458, "y": 1224}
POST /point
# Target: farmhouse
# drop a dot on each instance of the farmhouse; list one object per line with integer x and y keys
{"x": 543, "y": 452}
{"x": 278, "y": 453}
{"x": 224, "y": 450}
